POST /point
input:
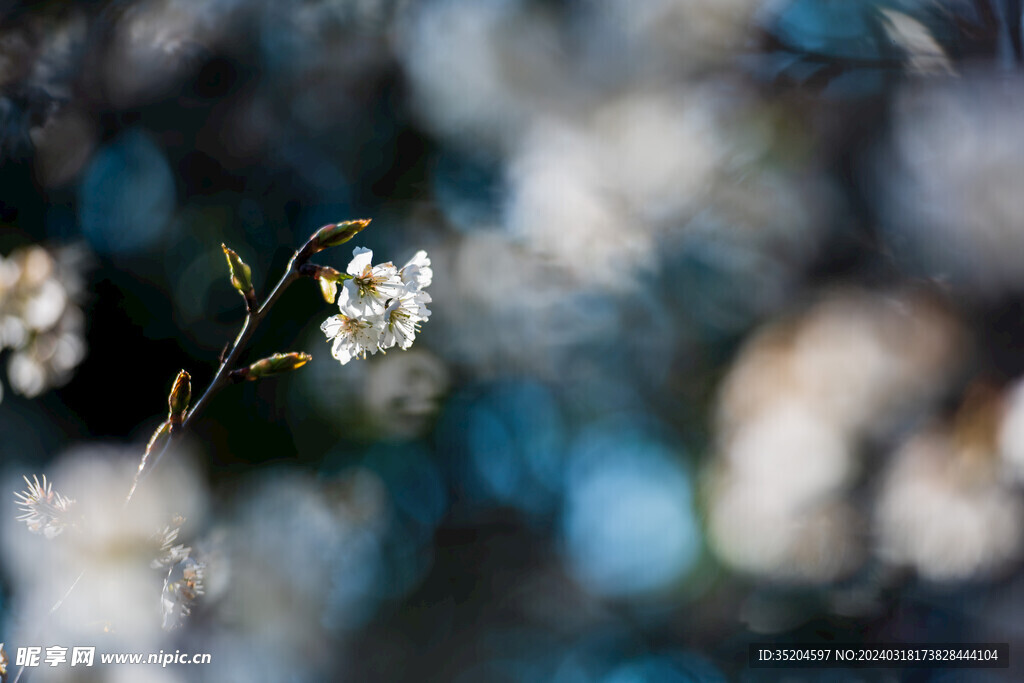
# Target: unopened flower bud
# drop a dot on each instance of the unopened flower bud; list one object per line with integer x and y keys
{"x": 337, "y": 233}
{"x": 272, "y": 365}
{"x": 181, "y": 395}
{"x": 241, "y": 277}
{"x": 328, "y": 288}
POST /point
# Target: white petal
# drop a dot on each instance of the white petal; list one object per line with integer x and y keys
{"x": 361, "y": 257}
{"x": 388, "y": 279}
{"x": 405, "y": 332}
{"x": 417, "y": 273}
{"x": 342, "y": 349}
{"x": 367, "y": 336}
{"x": 332, "y": 326}
{"x": 348, "y": 299}
{"x": 419, "y": 259}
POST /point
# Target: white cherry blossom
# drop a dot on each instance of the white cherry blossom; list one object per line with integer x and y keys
{"x": 380, "y": 306}
{"x": 402, "y": 319}
{"x": 371, "y": 286}
{"x": 354, "y": 331}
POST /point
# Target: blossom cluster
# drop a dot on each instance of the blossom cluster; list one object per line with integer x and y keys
{"x": 381, "y": 306}
{"x": 40, "y": 320}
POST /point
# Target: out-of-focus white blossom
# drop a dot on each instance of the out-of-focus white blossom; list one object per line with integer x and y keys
{"x": 484, "y": 81}
{"x": 113, "y": 555}
{"x": 854, "y": 359}
{"x": 395, "y": 396}
{"x": 182, "y": 586}
{"x": 403, "y": 392}
{"x": 945, "y": 514}
{"x": 757, "y": 529}
{"x": 793, "y": 413}
{"x": 924, "y": 54}
{"x": 44, "y": 510}
{"x": 789, "y": 449}
{"x": 169, "y": 553}
{"x": 563, "y": 210}
{"x": 163, "y": 41}
{"x": 40, "y": 321}
{"x": 603, "y": 193}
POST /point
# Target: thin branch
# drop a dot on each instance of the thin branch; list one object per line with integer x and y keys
{"x": 329, "y": 235}
{"x": 223, "y": 374}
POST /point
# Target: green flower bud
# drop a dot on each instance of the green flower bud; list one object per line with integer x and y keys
{"x": 241, "y": 276}
{"x": 181, "y": 395}
{"x": 328, "y": 288}
{"x": 337, "y": 233}
{"x": 272, "y": 365}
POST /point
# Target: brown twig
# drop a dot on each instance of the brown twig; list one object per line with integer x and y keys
{"x": 298, "y": 267}
{"x": 223, "y": 375}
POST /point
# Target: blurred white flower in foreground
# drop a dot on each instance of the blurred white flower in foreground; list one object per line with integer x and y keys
{"x": 182, "y": 586}
{"x": 40, "y": 320}
{"x": 120, "y": 560}
{"x": 380, "y": 306}
{"x": 43, "y": 510}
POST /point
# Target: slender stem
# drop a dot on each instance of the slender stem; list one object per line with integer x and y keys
{"x": 222, "y": 376}
{"x": 252, "y": 320}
